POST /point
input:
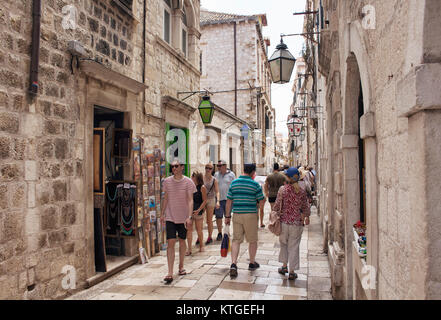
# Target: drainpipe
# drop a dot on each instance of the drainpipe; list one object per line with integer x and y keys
{"x": 235, "y": 70}
{"x": 35, "y": 53}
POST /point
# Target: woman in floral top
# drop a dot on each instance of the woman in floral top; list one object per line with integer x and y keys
{"x": 293, "y": 207}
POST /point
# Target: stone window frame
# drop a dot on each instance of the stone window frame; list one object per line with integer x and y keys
{"x": 184, "y": 32}
{"x": 166, "y": 9}
{"x": 176, "y": 12}
{"x": 128, "y": 11}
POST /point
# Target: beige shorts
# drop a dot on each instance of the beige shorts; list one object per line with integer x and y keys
{"x": 245, "y": 224}
{"x": 211, "y": 203}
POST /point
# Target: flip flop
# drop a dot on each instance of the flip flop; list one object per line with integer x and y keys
{"x": 168, "y": 279}
{"x": 182, "y": 272}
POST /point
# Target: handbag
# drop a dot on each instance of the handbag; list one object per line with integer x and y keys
{"x": 275, "y": 226}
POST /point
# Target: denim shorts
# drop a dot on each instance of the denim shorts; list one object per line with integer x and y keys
{"x": 220, "y": 213}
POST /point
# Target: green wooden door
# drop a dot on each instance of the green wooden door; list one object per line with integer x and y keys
{"x": 175, "y": 143}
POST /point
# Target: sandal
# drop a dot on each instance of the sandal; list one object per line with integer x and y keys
{"x": 283, "y": 270}
{"x": 182, "y": 272}
{"x": 292, "y": 276}
{"x": 188, "y": 253}
{"x": 168, "y": 279}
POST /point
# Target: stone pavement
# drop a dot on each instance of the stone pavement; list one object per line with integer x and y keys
{"x": 208, "y": 274}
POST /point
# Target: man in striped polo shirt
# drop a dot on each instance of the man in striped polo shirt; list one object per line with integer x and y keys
{"x": 243, "y": 197}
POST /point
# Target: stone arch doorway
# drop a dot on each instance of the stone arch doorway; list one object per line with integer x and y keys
{"x": 360, "y": 177}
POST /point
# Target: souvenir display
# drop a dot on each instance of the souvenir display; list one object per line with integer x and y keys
{"x": 152, "y": 216}
{"x": 360, "y": 238}
{"x": 149, "y": 171}
{"x": 120, "y": 209}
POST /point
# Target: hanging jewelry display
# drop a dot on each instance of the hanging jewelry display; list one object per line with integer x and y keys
{"x": 128, "y": 196}
{"x": 112, "y": 207}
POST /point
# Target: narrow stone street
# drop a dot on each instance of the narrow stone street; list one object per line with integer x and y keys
{"x": 208, "y": 274}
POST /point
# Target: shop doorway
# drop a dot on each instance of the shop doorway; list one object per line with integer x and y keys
{"x": 114, "y": 192}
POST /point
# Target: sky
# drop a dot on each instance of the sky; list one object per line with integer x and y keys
{"x": 280, "y": 19}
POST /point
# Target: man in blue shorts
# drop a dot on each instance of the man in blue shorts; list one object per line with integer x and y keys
{"x": 224, "y": 178}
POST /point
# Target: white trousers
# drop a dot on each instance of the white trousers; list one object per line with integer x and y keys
{"x": 290, "y": 246}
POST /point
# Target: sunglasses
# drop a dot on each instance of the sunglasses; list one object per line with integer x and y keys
{"x": 208, "y": 168}
{"x": 176, "y": 166}
{"x": 220, "y": 165}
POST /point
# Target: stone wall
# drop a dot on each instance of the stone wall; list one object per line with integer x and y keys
{"x": 168, "y": 71}
{"x": 383, "y": 58}
{"x": 44, "y": 209}
{"x": 218, "y": 74}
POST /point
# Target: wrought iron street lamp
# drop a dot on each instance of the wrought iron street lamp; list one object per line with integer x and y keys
{"x": 281, "y": 63}
{"x": 294, "y": 126}
{"x": 206, "y": 110}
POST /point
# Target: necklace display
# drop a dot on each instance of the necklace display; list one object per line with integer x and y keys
{"x": 112, "y": 207}
{"x": 128, "y": 209}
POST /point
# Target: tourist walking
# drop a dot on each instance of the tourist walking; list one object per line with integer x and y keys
{"x": 199, "y": 203}
{"x": 272, "y": 185}
{"x": 244, "y": 196}
{"x": 177, "y": 212}
{"x": 293, "y": 208}
{"x": 224, "y": 178}
{"x": 261, "y": 182}
{"x": 305, "y": 183}
{"x": 212, "y": 186}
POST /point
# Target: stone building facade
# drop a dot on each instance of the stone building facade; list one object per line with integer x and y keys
{"x": 46, "y": 147}
{"x": 378, "y": 77}
{"x": 235, "y": 67}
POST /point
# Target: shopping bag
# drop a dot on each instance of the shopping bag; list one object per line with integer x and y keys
{"x": 225, "y": 245}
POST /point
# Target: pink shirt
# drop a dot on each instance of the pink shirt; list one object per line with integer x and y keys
{"x": 178, "y": 191}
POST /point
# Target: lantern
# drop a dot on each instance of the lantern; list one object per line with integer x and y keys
{"x": 294, "y": 126}
{"x": 206, "y": 110}
{"x": 281, "y": 64}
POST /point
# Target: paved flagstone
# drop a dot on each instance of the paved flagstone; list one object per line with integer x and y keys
{"x": 208, "y": 274}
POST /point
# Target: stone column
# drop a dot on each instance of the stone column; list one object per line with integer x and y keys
{"x": 368, "y": 134}
{"x": 351, "y": 201}
{"x": 419, "y": 99}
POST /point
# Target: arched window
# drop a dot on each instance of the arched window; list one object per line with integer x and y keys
{"x": 167, "y": 21}
{"x": 184, "y": 39}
